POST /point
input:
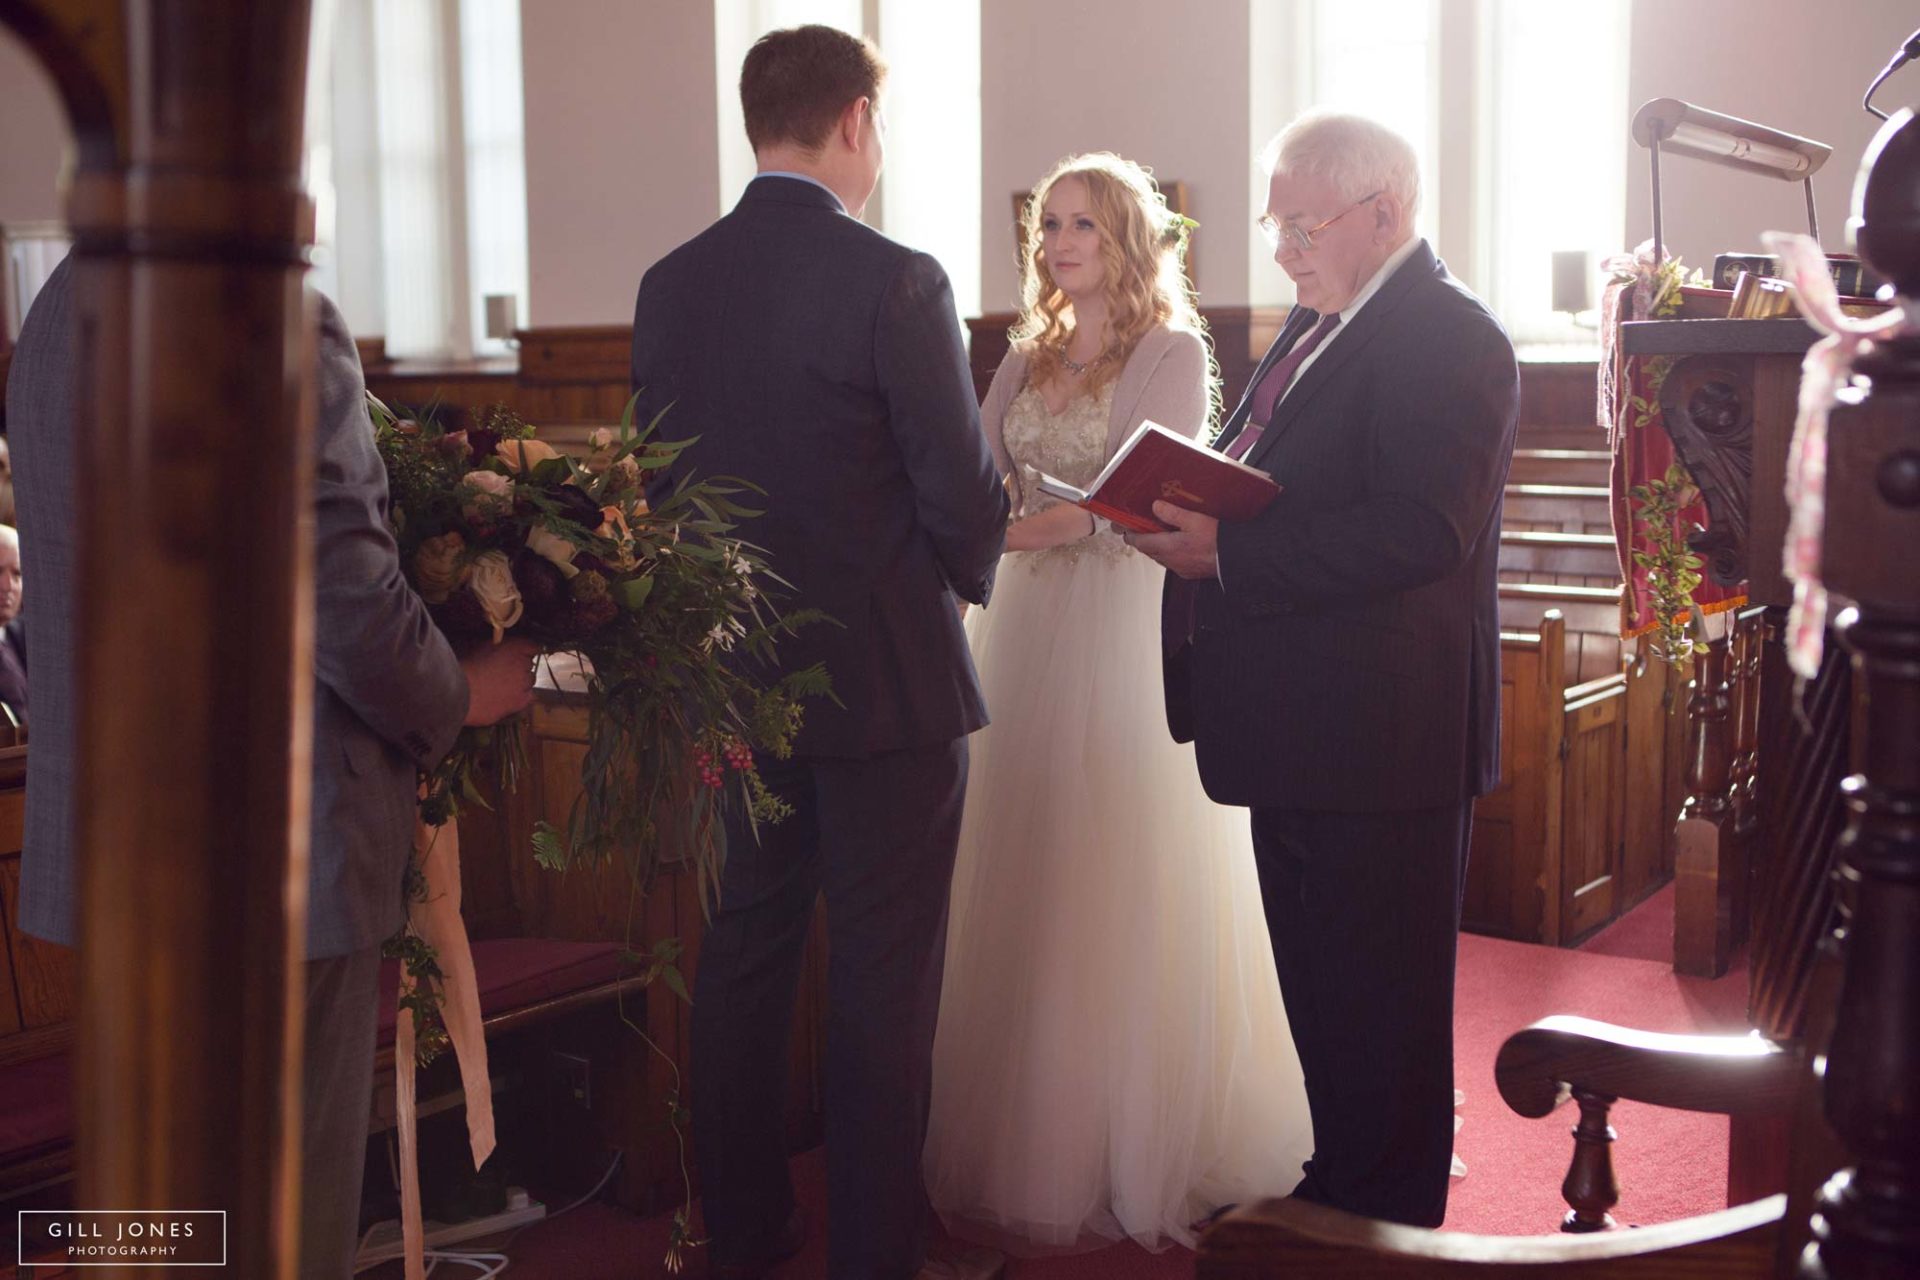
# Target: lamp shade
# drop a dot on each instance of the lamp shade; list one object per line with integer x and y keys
{"x": 1684, "y": 129}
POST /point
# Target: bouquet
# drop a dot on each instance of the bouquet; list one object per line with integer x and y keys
{"x": 672, "y": 618}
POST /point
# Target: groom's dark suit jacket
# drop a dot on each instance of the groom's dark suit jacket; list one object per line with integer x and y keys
{"x": 1352, "y": 661}
{"x": 823, "y": 362}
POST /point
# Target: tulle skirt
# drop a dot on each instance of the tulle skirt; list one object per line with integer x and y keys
{"x": 1113, "y": 1058}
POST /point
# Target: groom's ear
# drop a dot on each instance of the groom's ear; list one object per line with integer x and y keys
{"x": 856, "y": 115}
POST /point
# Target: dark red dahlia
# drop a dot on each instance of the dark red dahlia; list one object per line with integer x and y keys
{"x": 574, "y": 504}
{"x": 462, "y": 620}
{"x": 543, "y": 588}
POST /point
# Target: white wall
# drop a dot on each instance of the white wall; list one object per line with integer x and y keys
{"x": 622, "y": 134}
{"x": 622, "y": 152}
{"x": 33, "y": 137}
{"x": 1792, "y": 64}
{"x": 1166, "y": 85}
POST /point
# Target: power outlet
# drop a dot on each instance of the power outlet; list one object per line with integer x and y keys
{"x": 576, "y": 1073}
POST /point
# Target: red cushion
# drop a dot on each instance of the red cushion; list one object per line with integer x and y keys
{"x": 516, "y": 972}
{"x": 39, "y": 1105}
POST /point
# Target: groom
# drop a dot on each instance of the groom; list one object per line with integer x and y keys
{"x": 823, "y": 362}
{"x": 1336, "y": 660}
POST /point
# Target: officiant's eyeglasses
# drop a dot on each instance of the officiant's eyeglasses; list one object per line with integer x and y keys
{"x": 1301, "y": 237}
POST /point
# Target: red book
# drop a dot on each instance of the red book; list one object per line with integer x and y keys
{"x": 1158, "y": 465}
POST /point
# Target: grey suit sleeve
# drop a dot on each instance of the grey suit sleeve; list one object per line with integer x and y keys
{"x": 375, "y": 646}
{"x": 922, "y": 366}
{"x": 1442, "y": 434}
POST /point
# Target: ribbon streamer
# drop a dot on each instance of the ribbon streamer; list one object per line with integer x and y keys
{"x": 435, "y": 918}
{"x": 1828, "y": 367}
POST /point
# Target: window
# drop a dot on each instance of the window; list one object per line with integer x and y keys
{"x": 29, "y": 251}
{"x": 929, "y": 194}
{"x": 1380, "y": 60}
{"x": 1517, "y": 111}
{"x": 1557, "y": 177}
{"x": 418, "y": 152}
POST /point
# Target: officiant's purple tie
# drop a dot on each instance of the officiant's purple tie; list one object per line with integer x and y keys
{"x": 1267, "y": 394}
{"x": 1180, "y": 613}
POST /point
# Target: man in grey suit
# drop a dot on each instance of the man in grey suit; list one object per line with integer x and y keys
{"x": 390, "y": 697}
{"x": 823, "y": 362}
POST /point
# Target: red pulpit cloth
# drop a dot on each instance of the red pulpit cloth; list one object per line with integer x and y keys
{"x": 1642, "y": 450}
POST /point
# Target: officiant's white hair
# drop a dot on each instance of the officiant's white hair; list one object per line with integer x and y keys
{"x": 1357, "y": 155}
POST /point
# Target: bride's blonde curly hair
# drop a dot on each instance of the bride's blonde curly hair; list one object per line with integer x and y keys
{"x": 1143, "y": 253}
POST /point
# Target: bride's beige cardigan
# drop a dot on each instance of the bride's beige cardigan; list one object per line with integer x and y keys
{"x": 1165, "y": 379}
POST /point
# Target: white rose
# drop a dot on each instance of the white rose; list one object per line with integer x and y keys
{"x": 600, "y": 438}
{"x": 492, "y": 584}
{"x": 488, "y": 494}
{"x": 543, "y": 542}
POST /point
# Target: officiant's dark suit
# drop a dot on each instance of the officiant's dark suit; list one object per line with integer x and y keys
{"x": 1342, "y": 680}
{"x": 824, "y": 363}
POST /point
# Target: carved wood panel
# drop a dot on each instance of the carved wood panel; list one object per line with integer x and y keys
{"x": 1707, "y": 405}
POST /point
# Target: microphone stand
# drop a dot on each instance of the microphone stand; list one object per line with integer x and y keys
{"x": 1908, "y": 52}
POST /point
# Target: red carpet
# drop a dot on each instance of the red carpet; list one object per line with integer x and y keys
{"x": 1671, "y": 1164}
{"x": 1644, "y": 933}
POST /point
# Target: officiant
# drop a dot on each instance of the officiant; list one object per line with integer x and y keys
{"x": 1335, "y": 659}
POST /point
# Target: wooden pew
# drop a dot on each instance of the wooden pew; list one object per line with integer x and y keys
{"x": 1592, "y": 617}
{"x": 1578, "y": 829}
{"x": 1549, "y": 860}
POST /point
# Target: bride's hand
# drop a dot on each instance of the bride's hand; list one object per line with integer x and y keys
{"x": 1054, "y": 527}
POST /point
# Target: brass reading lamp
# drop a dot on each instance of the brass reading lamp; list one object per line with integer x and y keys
{"x": 1668, "y": 124}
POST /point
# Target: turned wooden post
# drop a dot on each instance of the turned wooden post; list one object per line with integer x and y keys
{"x": 1744, "y": 674}
{"x": 1867, "y": 1226}
{"x": 193, "y": 593}
{"x": 1706, "y": 852}
{"x": 1591, "y": 1189}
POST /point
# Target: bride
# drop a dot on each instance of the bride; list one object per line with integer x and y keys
{"x": 1113, "y": 1058}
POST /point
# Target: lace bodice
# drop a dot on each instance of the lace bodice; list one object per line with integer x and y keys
{"x": 1070, "y": 446}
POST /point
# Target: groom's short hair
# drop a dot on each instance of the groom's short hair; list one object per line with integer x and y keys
{"x": 795, "y": 83}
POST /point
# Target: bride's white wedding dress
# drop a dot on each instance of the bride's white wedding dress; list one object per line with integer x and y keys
{"x": 1113, "y": 1057}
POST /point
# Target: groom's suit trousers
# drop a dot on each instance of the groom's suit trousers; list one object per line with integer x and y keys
{"x": 877, "y": 836}
{"x": 1364, "y": 910}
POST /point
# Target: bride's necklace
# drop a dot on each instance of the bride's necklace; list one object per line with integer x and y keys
{"x": 1079, "y": 368}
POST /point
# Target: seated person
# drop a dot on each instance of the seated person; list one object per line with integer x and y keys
{"x": 13, "y": 634}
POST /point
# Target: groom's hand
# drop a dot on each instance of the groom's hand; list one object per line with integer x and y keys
{"x": 1191, "y": 550}
{"x": 499, "y": 680}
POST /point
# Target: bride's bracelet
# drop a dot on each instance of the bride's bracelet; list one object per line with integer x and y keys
{"x": 1093, "y": 523}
